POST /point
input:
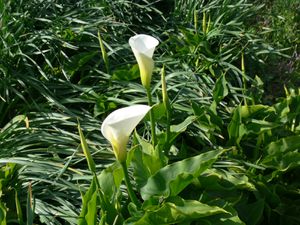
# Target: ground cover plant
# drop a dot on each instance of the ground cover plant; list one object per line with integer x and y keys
{"x": 186, "y": 125}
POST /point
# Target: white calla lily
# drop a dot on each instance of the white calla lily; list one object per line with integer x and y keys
{"x": 143, "y": 47}
{"x": 118, "y": 125}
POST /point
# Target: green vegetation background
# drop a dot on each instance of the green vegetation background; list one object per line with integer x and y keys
{"x": 233, "y": 76}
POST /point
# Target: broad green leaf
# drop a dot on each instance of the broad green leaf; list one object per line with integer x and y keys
{"x": 86, "y": 151}
{"x": 282, "y": 110}
{"x": 268, "y": 194}
{"x": 109, "y": 209}
{"x": 110, "y": 180}
{"x": 126, "y": 73}
{"x": 103, "y": 219}
{"x": 208, "y": 121}
{"x": 91, "y": 215}
{"x": 7, "y": 173}
{"x": 259, "y": 126}
{"x": 88, "y": 210}
{"x": 159, "y": 111}
{"x": 220, "y": 90}
{"x": 145, "y": 160}
{"x": 219, "y": 180}
{"x": 172, "y": 179}
{"x": 289, "y": 211}
{"x": 182, "y": 126}
{"x": 258, "y": 118}
{"x": 3, "y": 212}
{"x": 283, "y": 145}
{"x": 236, "y": 129}
{"x": 250, "y": 119}
{"x": 179, "y": 128}
{"x": 231, "y": 218}
{"x": 103, "y": 105}
{"x": 90, "y": 206}
{"x": 252, "y": 213}
{"x": 207, "y": 115}
{"x": 283, "y": 154}
{"x": 141, "y": 162}
{"x": 78, "y": 61}
{"x": 256, "y": 111}
{"x": 178, "y": 211}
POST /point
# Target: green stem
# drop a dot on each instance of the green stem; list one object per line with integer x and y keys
{"x": 168, "y": 129}
{"x": 151, "y": 117}
{"x": 166, "y": 103}
{"x": 244, "y": 77}
{"x": 99, "y": 192}
{"x": 131, "y": 193}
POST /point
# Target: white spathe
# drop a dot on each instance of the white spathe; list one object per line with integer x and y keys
{"x": 143, "y": 47}
{"x": 118, "y": 125}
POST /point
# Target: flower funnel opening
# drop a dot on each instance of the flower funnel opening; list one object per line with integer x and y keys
{"x": 143, "y": 47}
{"x": 118, "y": 126}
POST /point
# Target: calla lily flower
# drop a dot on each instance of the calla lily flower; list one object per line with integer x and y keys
{"x": 143, "y": 47}
{"x": 118, "y": 125}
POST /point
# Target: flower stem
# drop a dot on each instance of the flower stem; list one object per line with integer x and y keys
{"x": 151, "y": 118}
{"x": 244, "y": 78}
{"x": 166, "y": 103}
{"x": 131, "y": 193}
{"x": 168, "y": 130}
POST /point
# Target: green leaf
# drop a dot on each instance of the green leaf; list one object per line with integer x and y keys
{"x": 258, "y": 118}
{"x": 91, "y": 215}
{"x": 179, "y": 128}
{"x": 172, "y": 179}
{"x": 231, "y": 218}
{"x": 219, "y": 180}
{"x": 208, "y": 121}
{"x": 252, "y": 213}
{"x": 103, "y": 219}
{"x": 18, "y": 208}
{"x": 78, "y": 61}
{"x": 110, "y": 180}
{"x": 145, "y": 160}
{"x": 90, "y": 205}
{"x": 159, "y": 110}
{"x": 283, "y": 154}
{"x": 3, "y": 212}
{"x": 250, "y": 119}
{"x": 220, "y": 90}
{"x": 256, "y": 111}
{"x": 104, "y": 53}
{"x": 86, "y": 151}
{"x": 283, "y": 145}
{"x": 103, "y": 105}
{"x": 236, "y": 129}
{"x": 178, "y": 211}
{"x": 289, "y": 211}
{"x": 142, "y": 164}
{"x": 30, "y": 206}
{"x": 88, "y": 210}
{"x": 183, "y": 125}
{"x": 126, "y": 73}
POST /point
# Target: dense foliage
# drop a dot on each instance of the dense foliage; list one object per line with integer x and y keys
{"x": 227, "y": 149}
